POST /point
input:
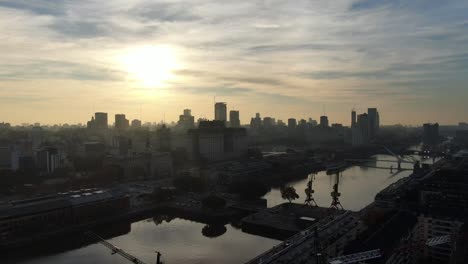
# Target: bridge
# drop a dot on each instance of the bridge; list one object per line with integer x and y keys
{"x": 116, "y": 250}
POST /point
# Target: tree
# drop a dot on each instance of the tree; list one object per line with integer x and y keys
{"x": 213, "y": 231}
{"x": 214, "y": 202}
{"x": 289, "y": 193}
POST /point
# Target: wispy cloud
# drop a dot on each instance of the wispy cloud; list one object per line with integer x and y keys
{"x": 276, "y": 52}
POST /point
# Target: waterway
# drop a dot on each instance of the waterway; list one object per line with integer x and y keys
{"x": 182, "y": 241}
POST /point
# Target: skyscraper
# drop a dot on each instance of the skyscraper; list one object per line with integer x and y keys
{"x": 256, "y": 122}
{"x": 186, "y": 121}
{"x": 324, "y": 121}
{"x": 100, "y": 120}
{"x": 360, "y": 132}
{"x": 136, "y": 123}
{"x": 121, "y": 122}
{"x": 353, "y": 118}
{"x": 292, "y": 123}
{"x": 220, "y": 111}
{"x": 374, "y": 122}
{"x": 234, "y": 118}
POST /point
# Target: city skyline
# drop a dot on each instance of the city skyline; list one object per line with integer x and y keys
{"x": 65, "y": 60}
{"x": 308, "y": 119}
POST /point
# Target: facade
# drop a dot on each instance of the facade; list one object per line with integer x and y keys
{"x": 256, "y": 122}
{"x": 121, "y": 123}
{"x": 429, "y": 227}
{"x": 353, "y": 118}
{"x": 221, "y": 111}
{"x": 94, "y": 149}
{"x": 186, "y": 120}
{"x": 48, "y": 160}
{"x": 100, "y": 120}
{"x": 324, "y": 121}
{"x": 136, "y": 123}
{"x": 374, "y": 122}
{"x": 360, "y": 132}
{"x": 234, "y": 120}
{"x": 213, "y": 141}
{"x": 5, "y": 157}
{"x": 268, "y": 122}
{"x": 22, "y": 220}
{"x": 292, "y": 123}
{"x": 430, "y": 133}
{"x": 461, "y": 137}
{"x": 143, "y": 165}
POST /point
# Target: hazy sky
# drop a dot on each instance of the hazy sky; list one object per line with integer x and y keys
{"x": 62, "y": 60}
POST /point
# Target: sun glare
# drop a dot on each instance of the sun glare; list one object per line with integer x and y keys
{"x": 152, "y": 66}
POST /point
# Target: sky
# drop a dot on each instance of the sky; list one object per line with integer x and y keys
{"x": 61, "y": 61}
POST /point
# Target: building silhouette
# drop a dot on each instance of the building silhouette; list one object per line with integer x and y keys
{"x": 292, "y": 123}
{"x": 100, "y": 120}
{"x": 121, "y": 123}
{"x": 234, "y": 120}
{"x": 213, "y": 141}
{"x": 353, "y": 118}
{"x": 256, "y": 122}
{"x": 220, "y": 111}
{"x": 136, "y": 123}
{"x": 186, "y": 121}
{"x": 430, "y": 133}
{"x": 374, "y": 122}
{"x": 360, "y": 131}
{"x": 324, "y": 121}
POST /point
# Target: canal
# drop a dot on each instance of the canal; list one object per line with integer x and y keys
{"x": 182, "y": 241}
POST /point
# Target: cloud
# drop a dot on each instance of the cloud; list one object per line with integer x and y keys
{"x": 164, "y": 12}
{"x": 292, "y": 53}
{"x": 44, "y": 69}
{"x": 214, "y": 91}
{"x": 40, "y": 7}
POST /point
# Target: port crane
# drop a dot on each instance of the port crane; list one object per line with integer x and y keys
{"x": 335, "y": 194}
{"x": 309, "y": 191}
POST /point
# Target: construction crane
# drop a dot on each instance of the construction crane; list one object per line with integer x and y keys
{"x": 121, "y": 252}
{"x": 309, "y": 191}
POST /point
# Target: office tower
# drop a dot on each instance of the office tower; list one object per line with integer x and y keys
{"x": 312, "y": 122}
{"x": 360, "y": 132}
{"x": 136, "y": 123}
{"x": 430, "y": 133}
{"x": 268, "y": 122}
{"x": 353, "y": 118}
{"x": 256, "y": 122}
{"x": 121, "y": 122}
{"x": 292, "y": 123}
{"x": 220, "y": 111}
{"x": 234, "y": 118}
{"x": 100, "y": 120}
{"x": 374, "y": 122}
{"x": 324, "y": 121}
{"x": 186, "y": 121}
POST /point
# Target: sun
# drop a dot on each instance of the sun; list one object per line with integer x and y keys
{"x": 152, "y": 66}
